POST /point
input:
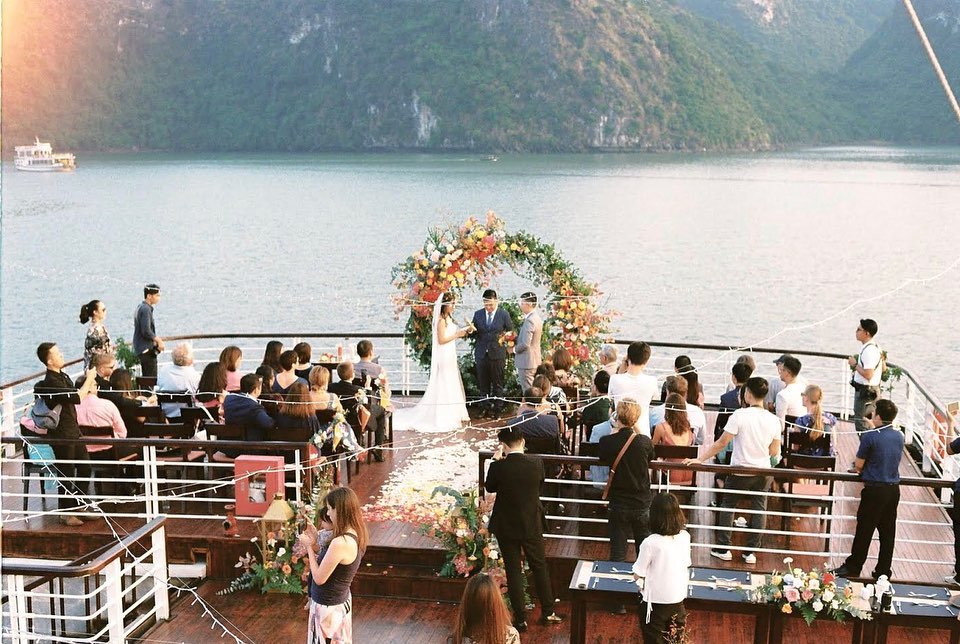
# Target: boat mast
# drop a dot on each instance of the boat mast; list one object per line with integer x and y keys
{"x": 933, "y": 57}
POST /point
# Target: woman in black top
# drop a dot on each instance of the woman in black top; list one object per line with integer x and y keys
{"x": 331, "y": 615}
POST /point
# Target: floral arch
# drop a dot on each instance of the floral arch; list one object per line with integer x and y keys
{"x": 454, "y": 258}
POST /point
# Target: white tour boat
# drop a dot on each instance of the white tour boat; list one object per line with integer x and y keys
{"x": 40, "y": 157}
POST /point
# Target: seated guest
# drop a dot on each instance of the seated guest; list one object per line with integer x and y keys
{"x": 483, "y": 615}
{"x": 675, "y": 430}
{"x": 230, "y": 358}
{"x": 533, "y": 417}
{"x": 366, "y": 367}
{"x": 599, "y": 408}
{"x": 677, "y": 384}
{"x": 608, "y": 359}
{"x": 563, "y": 369}
{"x": 286, "y": 376}
{"x": 304, "y": 353}
{"x": 104, "y": 363}
{"x": 94, "y": 411}
{"x": 322, "y": 399}
{"x": 600, "y": 473}
{"x": 815, "y": 428}
{"x": 128, "y": 401}
{"x": 747, "y": 359}
{"x": 268, "y": 398}
{"x": 180, "y": 377}
{"x": 553, "y": 393}
{"x": 213, "y": 389}
{"x": 244, "y": 410}
{"x": 297, "y": 412}
{"x": 683, "y": 366}
{"x": 789, "y": 400}
{"x": 350, "y": 395}
{"x": 271, "y": 355}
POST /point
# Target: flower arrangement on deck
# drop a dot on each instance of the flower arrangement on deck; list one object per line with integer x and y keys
{"x": 458, "y": 257}
{"x": 811, "y": 594}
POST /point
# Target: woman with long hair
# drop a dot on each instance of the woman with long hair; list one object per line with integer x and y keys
{"x": 319, "y": 380}
{"x": 683, "y": 366}
{"x": 268, "y": 398}
{"x": 814, "y": 430}
{"x": 663, "y": 560}
{"x": 483, "y": 617}
{"x": 563, "y": 369}
{"x": 675, "y": 430}
{"x": 213, "y": 389}
{"x": 297, "y": 409}
{"x": 97, "y": 340}
{"x": 331, "y": 614}
{"x": 271, "y": 355}
{"x": 230, "y": 358}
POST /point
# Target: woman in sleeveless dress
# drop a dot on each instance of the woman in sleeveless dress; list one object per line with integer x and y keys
{"x": 331, "y": 605}
{"x": 443, "y": 407}
{"x": 675, "y": 430}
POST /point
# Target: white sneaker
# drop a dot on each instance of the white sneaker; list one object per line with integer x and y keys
{"x": 953, "y": 580}
{"x": 749, "y": 557}
{"x": 721, "y": 554}
{"x": 741, "y": 522}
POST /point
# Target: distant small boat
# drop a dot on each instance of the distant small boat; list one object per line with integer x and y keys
{"x": 40, "y": 157}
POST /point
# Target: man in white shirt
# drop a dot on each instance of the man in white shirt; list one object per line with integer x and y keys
{"x": 789, "y": 402}
{"x": 758, "y": 443}
{"x": 179, "y": 377}
{"x": 867, "y": 371}
{"x": 698, "y": 422}
{"x": 633, "y": 383}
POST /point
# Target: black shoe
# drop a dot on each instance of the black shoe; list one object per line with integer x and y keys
{"x": 552, "y": 618}
{"x": 521, "y": 627}
{"x": 378, "y": 455}
{"x": 618, "y": 609}
{"x": 845, "y": 572}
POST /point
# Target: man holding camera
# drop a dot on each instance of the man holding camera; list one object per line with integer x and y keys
{"x": 867, "y": 370}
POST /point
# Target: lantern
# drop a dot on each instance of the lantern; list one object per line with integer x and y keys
{"x": 274, "y": 520}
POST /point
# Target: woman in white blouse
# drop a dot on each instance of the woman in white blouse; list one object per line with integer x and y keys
{"x": 662, "y": 564}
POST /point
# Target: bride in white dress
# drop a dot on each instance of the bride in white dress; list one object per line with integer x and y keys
{"x": 443, "y": 407}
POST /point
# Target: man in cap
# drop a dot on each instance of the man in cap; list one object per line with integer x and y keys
{"x": 146, "y": 343}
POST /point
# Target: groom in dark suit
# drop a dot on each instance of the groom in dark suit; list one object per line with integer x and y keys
{"x": 518, "y": 520}
{"x": 489, "y": 354}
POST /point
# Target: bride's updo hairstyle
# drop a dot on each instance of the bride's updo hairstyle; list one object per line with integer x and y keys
{"x": 447, "y": 306}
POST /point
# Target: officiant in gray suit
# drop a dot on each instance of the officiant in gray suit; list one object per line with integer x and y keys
{"x": 527, "y": 349}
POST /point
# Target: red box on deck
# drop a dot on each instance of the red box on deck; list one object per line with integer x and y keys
{"x": 254, "y": 492}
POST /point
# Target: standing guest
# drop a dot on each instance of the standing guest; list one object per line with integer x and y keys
{"x": 244, "y": 410}
{"x": 608, "y": 359}
{"x": 304, "y": 354}
{"x": 483, "y": 617}
{"x": 146, "y": 343}
{"x": 598, "y": 409}
{"x": 867, "y": 373}
{"x": 268, "y": 398}
{"x": 677, "y": 384}
{"x": 212, "y": 390}
{"x": 675, "y": 430}
{"x": 179, "y": 378}
{"x": 757, "y": 444}
{"x": 878, "y": 462}
{"x": 56, "y": 388}
{"x": 683, "y": 366}
{"x": 815, "y": 428}
{"x": 563, "y": 369}
{"x": 636, "y": 384}
{"x": 526, "y": 350}
{"x": 789, "y": 401}
{"x": 629, "y": 490}
{"x": 489, "y": 353}
{"x": 97, "y": 340}
{"x": 517, "y": 521}
{"x": 662, "y": 564}
{"x": 331, "y": 610}
{"x": 231, "y": 357}
{"x": 271, "y": 355}
{"x": 286, "y": 376}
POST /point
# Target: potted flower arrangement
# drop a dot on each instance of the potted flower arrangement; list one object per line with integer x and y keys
{"x": 811, "y": 593}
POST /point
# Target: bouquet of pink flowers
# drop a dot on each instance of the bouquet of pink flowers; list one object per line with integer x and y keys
{"x": 811, "y": 593}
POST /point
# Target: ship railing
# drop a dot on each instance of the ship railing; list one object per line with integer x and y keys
{"x": 575, "y": 512}
{"x": 922, "y": 414}
{"x": 113, "y": 594}
{"x": 152, "y": 485}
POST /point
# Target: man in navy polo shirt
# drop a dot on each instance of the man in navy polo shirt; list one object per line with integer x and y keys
{"x": 878, "y": 461}
{"x": 954, "y": 448}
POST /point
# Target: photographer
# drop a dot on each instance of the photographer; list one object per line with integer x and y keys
{"x": 867, "y": 371}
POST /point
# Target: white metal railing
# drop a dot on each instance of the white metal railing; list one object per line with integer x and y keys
{"x": 111, "y": 595}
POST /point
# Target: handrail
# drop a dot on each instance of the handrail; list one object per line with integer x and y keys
{"x": 773, "y": 472}
{"x": 156, "y": 442}
{"x": 84, "y": 570}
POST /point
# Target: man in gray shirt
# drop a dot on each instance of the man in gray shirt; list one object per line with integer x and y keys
{"x": 146, "y": 343}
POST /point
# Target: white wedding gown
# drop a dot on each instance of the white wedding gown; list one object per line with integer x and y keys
{"x": 443, "y": 407}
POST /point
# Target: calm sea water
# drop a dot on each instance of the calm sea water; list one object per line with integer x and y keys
{"x": 717, "y": 249}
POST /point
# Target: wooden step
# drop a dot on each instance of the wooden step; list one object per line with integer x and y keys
{"x": 409, "y": 582}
